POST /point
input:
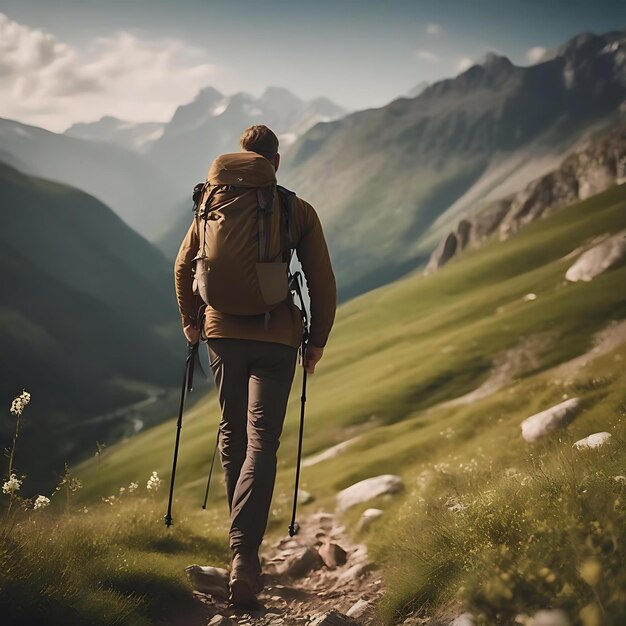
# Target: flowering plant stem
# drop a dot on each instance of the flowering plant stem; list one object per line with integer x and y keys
{"x": 10, "y": 467}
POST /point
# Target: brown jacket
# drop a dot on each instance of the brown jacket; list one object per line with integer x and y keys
{"x": 285, "y": 324}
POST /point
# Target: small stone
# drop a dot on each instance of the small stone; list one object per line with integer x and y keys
{"x": 541, "y": 424}
{"x": 210, "y": 580}
{"x": 593, "y": 441}
{"x": 333, "y": 618}
{"x": 465, "y": 619}
{"x": 333, "y": 555}
{"x": 551, "y": 617}
{"x": 367, "y": 490}
{"x": 369, "y": 516}
{"x": 360, "y": 609}
{"x": 530, "y": 297}
{"x": 300, "y": 563}
{"x": 353, "y": 573}
{"x": 304, "y": 497}
{"x": 220, "y": 620}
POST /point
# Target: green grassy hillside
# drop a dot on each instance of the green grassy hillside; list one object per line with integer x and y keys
{"x": 536, "y": 525}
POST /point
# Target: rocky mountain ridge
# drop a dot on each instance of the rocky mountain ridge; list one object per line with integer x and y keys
{"x": 591, "y": 170}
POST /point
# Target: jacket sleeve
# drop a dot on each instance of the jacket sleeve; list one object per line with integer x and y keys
{"x": 183, "y": 277}
{"x": 315, "y": 259}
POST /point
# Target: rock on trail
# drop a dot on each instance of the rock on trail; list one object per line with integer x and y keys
{"x": 317, "y": 578}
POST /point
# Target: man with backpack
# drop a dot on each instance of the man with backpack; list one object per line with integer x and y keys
{"x": 235, "y": 259}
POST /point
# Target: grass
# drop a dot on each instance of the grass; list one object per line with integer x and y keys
{"x": 103, "y": 564}
{"x": 534, "y": 522}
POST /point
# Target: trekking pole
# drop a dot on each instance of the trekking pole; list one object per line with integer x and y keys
{"x": 294, "y": 527}
{"x": 187, "y": 385}
{"x": 208, "y": 482}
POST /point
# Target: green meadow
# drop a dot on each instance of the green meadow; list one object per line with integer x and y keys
{"x": 486, "y": 522}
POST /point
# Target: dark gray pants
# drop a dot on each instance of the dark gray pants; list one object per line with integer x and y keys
{"x": 253, "y": 380}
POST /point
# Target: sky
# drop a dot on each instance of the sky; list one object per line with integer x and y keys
{"x": 65, "y": 61}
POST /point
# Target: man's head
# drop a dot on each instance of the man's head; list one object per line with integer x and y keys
{"x": 263, "y": 141}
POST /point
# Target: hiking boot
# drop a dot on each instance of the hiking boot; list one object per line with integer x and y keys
{"x": 245, "y": 579}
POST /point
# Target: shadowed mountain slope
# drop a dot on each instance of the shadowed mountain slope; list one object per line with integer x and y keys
{"x": 85, "y": 304}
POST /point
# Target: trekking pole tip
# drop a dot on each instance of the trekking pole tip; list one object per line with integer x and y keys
{"x": 168, "y": 520}
{"x": 293, "y": 529}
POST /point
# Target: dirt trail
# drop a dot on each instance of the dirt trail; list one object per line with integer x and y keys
{"x": 605, "y": 341}
{"x": 289, "y": 600}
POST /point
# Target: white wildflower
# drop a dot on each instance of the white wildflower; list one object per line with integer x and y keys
{"x": 132, "y": 487}
{"x": 154, "y": 482}
{"x": 110, "y": 500}
{"x": 620, "y": 479}
{"x": 41, "y": 502}
{"x": 12, "y": 485}
{"x": 122, "y": 490}
{"x": 18, "y": 404}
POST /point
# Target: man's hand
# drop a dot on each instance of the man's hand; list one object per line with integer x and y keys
{"x": 192, "y": 334}
{"x": 312, "y": 356}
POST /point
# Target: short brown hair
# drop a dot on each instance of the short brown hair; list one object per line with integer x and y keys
{"x": 260, "y": 139}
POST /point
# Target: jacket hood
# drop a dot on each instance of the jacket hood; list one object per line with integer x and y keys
{"x": 245, "y": 169}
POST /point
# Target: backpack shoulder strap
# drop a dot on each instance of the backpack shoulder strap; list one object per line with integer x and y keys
{"x": 286, "y": 197}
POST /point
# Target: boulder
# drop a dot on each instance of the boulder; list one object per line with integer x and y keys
{"x": 551, "y": 617}
{"x": 333, "y": 555}
{"x": 465, "y": 619}
{"x": 443, "y": 253}
{"x": 300, "y": 563}
{"x": 558, "y": 416}
{"x": 593, "y": 441}
{"x": 368, "y": 517}
{"x": 210, "y": 580}
{"x": 598, "y": 259}
{"x": 367, "y": 490}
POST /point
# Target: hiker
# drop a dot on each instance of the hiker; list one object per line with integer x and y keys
{"x": 252, "y": 352}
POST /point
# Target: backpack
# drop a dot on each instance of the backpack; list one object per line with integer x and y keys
{"x": 245, "y": 248}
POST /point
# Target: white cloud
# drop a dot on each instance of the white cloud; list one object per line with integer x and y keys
{"x": 534, "y": 55}
{"x": 427, "y": 55}
{"x": 48, "y": 83}
{"x": 433, "y": 29}
{"x": 464, "y": 63}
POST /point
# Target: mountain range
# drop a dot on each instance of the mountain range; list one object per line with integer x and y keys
{"x": 211, "y": 125}
{"x": 135, "y": 136}
{"x": 124, "y": 180}
{"x": 389, "y": 182}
